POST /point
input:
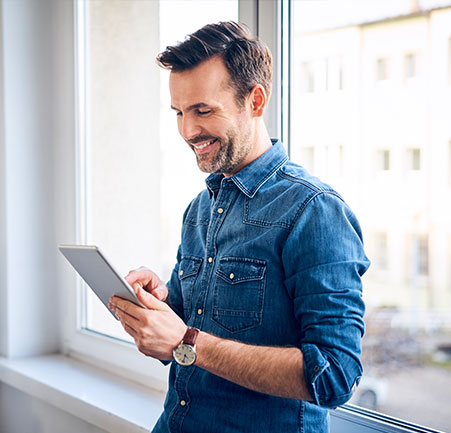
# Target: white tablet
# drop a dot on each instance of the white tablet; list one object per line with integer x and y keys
{"x": 98, "y": 273}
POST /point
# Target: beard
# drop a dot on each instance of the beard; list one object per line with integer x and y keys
{"x": 232, "y": 151}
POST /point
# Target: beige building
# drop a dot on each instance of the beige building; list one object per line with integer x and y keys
{"x": 372, "y": 116}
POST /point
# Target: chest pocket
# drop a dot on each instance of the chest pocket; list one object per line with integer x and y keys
{"x": 239, "y": 293}
{"x": 188, "y": 272}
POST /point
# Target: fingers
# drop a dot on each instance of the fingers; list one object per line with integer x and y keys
{"x": 147, "y": 279}
{"x": 161, "y": 293}
{"x": 123, "y": 307}
{"x": 129, "y": 323}
{"x": 150, "y": 300}
{"x": 142, "y": 277}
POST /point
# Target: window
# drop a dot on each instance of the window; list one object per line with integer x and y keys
{"x": 308, "y": 157}
{"x": 449, "y": 61}
{"x": 341, "y": 160}
{"x": 128, "y": 137}
{"x": 120, "y": 97}
{"x": 326, "y": 74}
{"x": 383, "y": 160}
{"x": 410, "y": 66}
{"x": 340, "y": 76}
{"x": 380, "y": 252}
{"x": 449, "y": 163}
{"x": 413, "y": 159}
{"x": 406, "y": 222}
{"x": 308, "y": 78}
{"x": 381, "y": 69}
{"x": 420, "y": 250}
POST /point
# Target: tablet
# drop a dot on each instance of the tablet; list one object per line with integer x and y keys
{"x": 98, "y": 273}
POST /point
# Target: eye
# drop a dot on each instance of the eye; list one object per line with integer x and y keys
{"x": 203, "y": 112}
{"x": 178, "y": 113}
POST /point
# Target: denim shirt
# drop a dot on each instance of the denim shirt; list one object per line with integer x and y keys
{"x": 270, "y": 256}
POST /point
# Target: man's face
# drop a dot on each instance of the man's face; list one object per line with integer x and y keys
{"x": 210, "y": 120}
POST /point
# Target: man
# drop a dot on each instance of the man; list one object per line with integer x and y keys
{"x": 267, "y": 286}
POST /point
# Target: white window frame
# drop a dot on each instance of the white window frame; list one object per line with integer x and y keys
{"x": 270, "y": 20}
{"x": 114, "y": 355}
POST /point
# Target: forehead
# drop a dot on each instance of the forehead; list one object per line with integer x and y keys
{"x": 206, "y": 83}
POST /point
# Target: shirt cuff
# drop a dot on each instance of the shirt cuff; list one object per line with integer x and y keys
{"x": 314, "y": 366}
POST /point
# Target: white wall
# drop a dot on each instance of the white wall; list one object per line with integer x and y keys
{"x": 37, "y": 135}
{"x": 20, "y": 413}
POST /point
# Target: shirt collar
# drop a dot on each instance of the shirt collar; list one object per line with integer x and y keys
{"x": 253, "y": 176}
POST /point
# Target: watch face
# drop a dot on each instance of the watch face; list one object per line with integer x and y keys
{"x": 184, "y": 354}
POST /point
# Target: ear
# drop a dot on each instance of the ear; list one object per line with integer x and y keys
{"x": 258, "y": 100}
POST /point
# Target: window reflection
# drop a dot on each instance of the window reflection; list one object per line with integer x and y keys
{"x": 387, "y": 107}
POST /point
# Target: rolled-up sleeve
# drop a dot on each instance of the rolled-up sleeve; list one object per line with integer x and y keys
{"x": 324, "y": 260}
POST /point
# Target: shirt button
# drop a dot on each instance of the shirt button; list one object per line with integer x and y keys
{"x": 232, "y": 276}
{"x": 181, "y": 273}
{"x": 220, "y": 210}
{"x": 182, "y": 403}
{"x": 199, "y": 311}
{"x": 210, "y": 259}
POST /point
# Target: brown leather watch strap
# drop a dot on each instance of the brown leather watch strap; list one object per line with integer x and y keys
{"x": 190, "y": 336}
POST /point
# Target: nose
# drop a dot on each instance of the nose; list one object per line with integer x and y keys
{"x": 188, "y": 127}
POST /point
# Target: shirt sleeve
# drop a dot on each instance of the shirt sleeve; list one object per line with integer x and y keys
{"x": 175, "y": 290}
{"x": 324, "y": 260}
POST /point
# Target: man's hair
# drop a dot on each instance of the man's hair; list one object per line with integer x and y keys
{"x": 247, "y": 60}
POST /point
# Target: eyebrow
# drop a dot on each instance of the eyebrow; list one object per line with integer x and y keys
{"x": 192, "y": 107}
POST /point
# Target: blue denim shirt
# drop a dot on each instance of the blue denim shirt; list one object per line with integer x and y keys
{"x": 270, "y": 256}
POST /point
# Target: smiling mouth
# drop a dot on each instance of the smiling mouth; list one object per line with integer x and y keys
{"x": 204, "y": 145}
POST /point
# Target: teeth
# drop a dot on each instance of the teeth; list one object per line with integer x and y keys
{"x": 203, "y": 146}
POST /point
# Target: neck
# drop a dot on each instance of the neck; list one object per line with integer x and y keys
{"x": 262, "y": 143}
{"x": 262, "y": 139}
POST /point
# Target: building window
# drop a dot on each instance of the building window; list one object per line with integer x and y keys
{"x": 341, "y": 160}
{"x": 307, "y": 158}
{"x": 410, "y": 65}
{"x": 380, "y": 251}
{"x": 449, "y": 61}
{"x": 383, "y": 160}
{"x": 413, "y": 159}
{"x": 449, "y": 163}
{"x": 381, "y": 69}
{"x": 340, "y": 76}
{"x": 419, "y": 250}
{"x": 384, "y": 130}
{"x": 307, "y": 77}
{"x": 326, "y": 74}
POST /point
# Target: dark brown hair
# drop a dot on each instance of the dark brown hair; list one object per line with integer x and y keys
{"x": 248, "y": 60}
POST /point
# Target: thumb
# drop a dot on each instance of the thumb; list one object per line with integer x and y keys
{"x": 161, "y": 293}
{"x": 149, "y": 301}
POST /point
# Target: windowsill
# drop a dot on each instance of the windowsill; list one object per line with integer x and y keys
{"x": 89, "y": 393}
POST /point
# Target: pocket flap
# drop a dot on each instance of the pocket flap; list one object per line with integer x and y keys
{"x": 237, "y": 269}
{"x": 189, "y": 266}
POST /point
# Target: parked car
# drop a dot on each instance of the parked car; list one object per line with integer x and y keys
{"x": 371, "y": 392}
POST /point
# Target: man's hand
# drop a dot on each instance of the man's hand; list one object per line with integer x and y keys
{"x": 156, "y": 330}
{"x": 148, "y": 280}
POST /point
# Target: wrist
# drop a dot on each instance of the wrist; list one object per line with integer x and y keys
{"x": 185, "y": 352}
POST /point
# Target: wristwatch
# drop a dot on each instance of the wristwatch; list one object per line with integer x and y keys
{"x": 185, "y": 353}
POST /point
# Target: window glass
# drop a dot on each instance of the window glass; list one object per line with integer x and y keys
{"x": 449, "y": 164}
{"x": 383, "y": 160}
{"x": 413, "y": 159}
{"x": 449, "y": 61}
{"x": 138, "y": 174}
{"x": 406, "y": 216}
{"x": 381, "y": 69}
{"x": 410, "y": 69}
